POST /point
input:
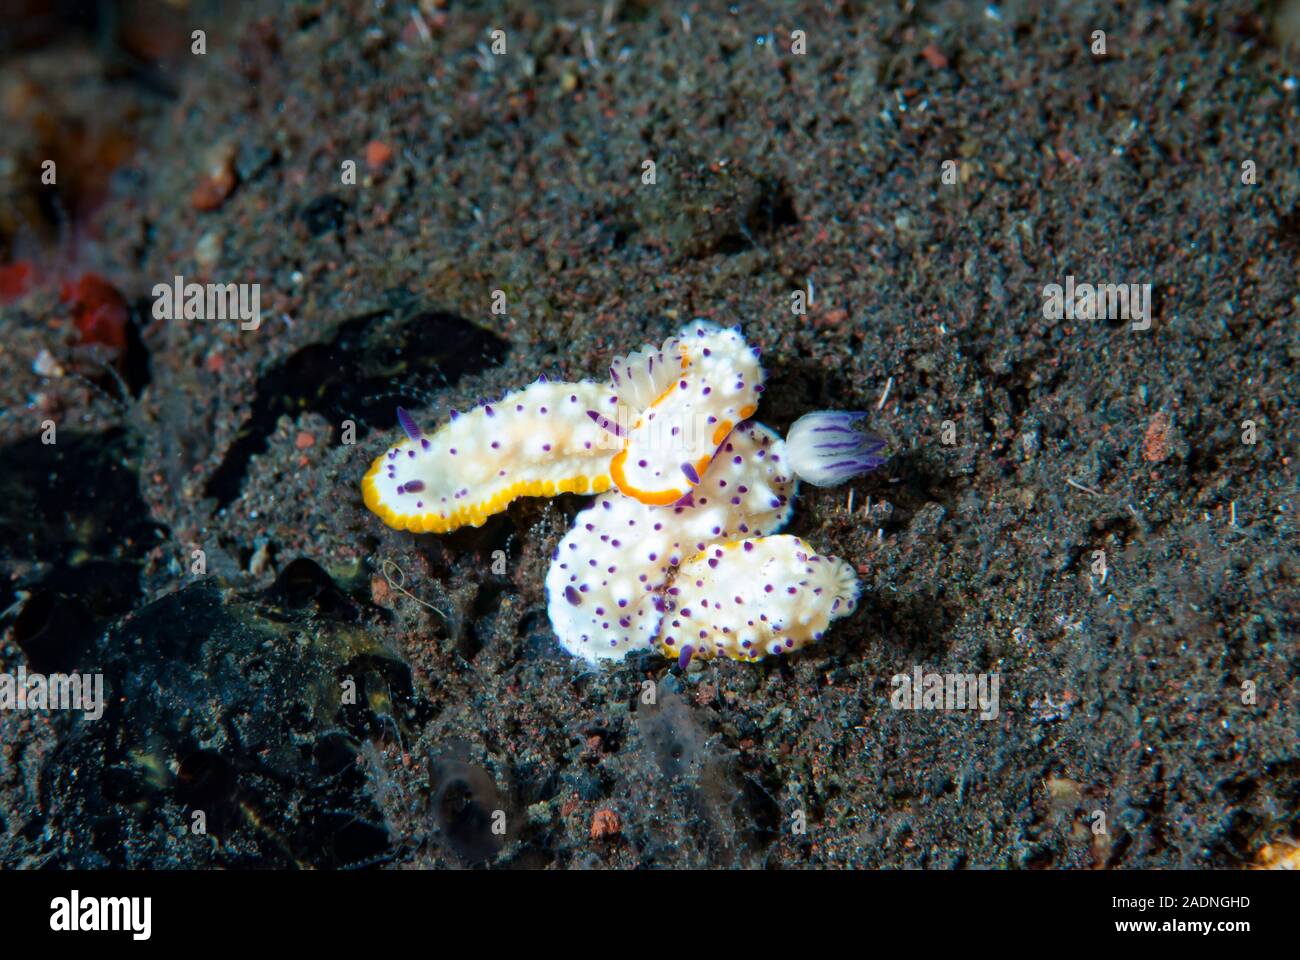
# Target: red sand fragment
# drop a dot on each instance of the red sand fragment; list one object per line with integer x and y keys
{"x": 605, "y": 824}
{"x": 98, "y": 311}
{"x": 1155, "y": 446}
{"x": 15, "y": 280}
{"x": 378, "y": 155}
{"x": 935, "y": 57}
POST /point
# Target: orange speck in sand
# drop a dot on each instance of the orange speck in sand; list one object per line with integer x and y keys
{"x": 935, "y": 57}
{"x": 378, "y": 154}
{"x": 1155, "y": 446}
{"x": 605, "y": 824}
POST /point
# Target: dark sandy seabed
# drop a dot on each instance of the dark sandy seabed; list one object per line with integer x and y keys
{"x": 775, "y": 172}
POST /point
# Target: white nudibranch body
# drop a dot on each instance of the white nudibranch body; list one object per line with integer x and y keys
{"x": 689, "y": 394}
{"x": 534, "y": 442}
{"x": 679, "y": 554}
{"x": 752, "y": 598}
{"x": 607, "y": 575}
{"x": 651, "y": 430}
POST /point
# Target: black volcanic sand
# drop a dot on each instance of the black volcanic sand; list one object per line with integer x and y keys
{"x": 318, "y": 716}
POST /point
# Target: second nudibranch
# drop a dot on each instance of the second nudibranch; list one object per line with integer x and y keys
{"x": 651, "y": 431}
{"x": 534, "y": 442}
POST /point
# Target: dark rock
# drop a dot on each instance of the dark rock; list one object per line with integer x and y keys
{"x": 213, "y": 708}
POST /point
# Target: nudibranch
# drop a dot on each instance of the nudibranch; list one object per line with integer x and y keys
{"x": 750, "y": 598}
{"x": 604, "y": 587}
{"x": 688, "y": 395}
{"x": 651, "y": 431}
{"x": 534, "y": 442}
{"x": 680, "y": 553}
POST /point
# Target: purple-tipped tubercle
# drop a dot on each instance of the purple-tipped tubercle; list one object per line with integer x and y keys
{"x": 408, "y": 424}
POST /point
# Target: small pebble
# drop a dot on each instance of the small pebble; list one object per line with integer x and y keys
{"x": 1155, "y": 446}
{"x": 217, "y": 182}
{"x": 261, "y": 560}
{"x": 378, "y": 156}
{"x": 605, "y": 825}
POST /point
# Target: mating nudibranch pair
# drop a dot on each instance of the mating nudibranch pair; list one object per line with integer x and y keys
{"x": 680, "y": 553}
